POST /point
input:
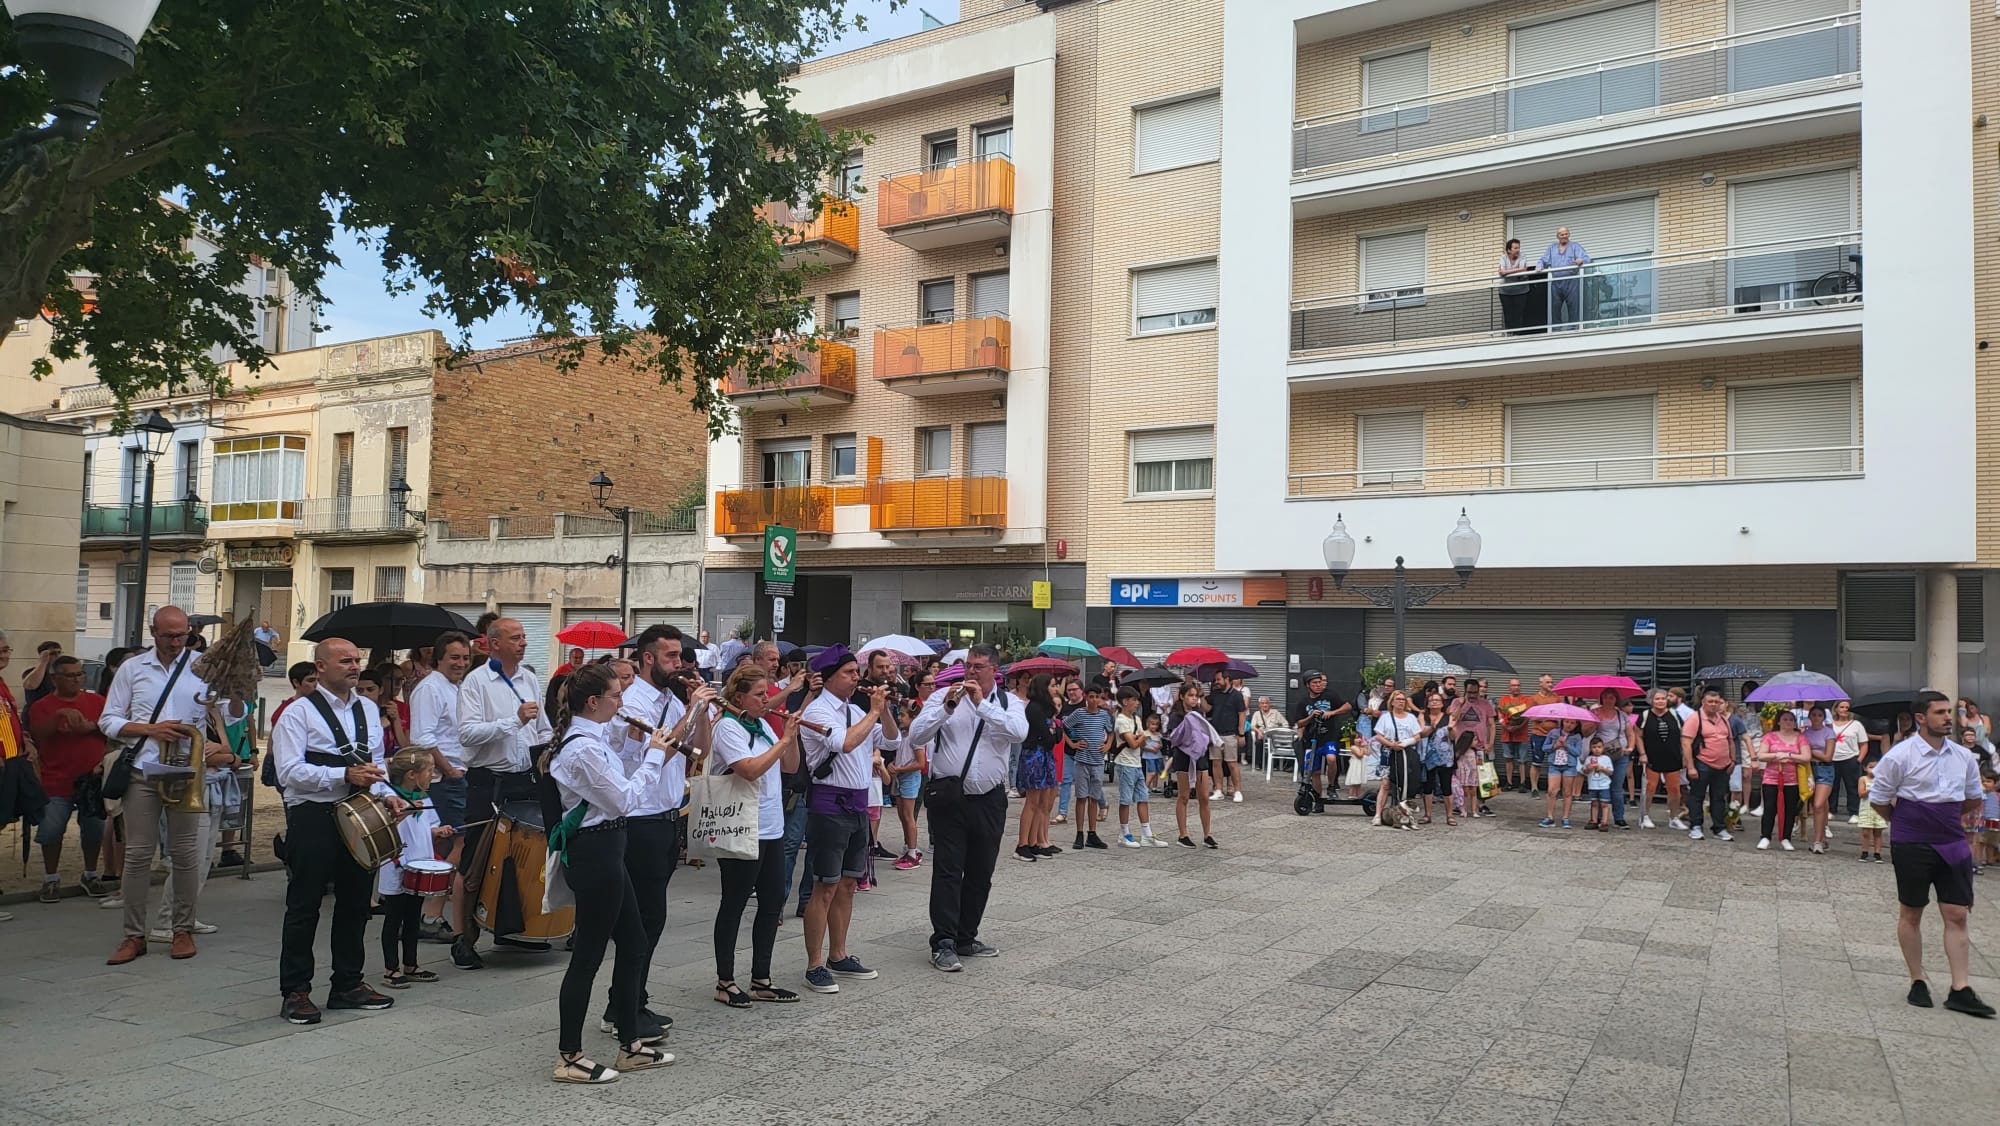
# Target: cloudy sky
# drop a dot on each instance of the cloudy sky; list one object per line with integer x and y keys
{"x": 358, "y": 307}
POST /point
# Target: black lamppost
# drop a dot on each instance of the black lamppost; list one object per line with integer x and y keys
{"x": 600, "y": 491}
{"x": 1462, "y": 545}
{"x": 399, "y": 498}
{"x": 156, "y": 431}
{"x": 79, "y": 55}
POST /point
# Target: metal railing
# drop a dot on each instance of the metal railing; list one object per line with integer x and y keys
{"x": 171, "y": 519}
{"x": 838, "y": 221}
{"x": 959, "y": 188}
{"x": 1584, "y": 472}
{"x": 1690, "y": 286}
{"x": 937, "y": 503}
{"x": 565, "y": 524}
{"x": 1753, "y": 66}
{"x": 747, "y": 512}
{"x": 977, "y": 344}
{"x": 333, "y": 516}
{"x": 826, "y": 365}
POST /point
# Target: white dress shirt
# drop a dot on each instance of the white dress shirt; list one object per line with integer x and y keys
{"x": 663, "y": 710}
{"x": 586, "y": 769}
{"x": 733, "y": 743}
{"x": 137, "y": 685}
{"x": 434, "y": 718}
{"x": 489, "y": 725}
{"x": 855, "y": 767}
{"x": 302, "y": 730}
{"x": 1913, "y": 770}
{"x": 950, "y": 736}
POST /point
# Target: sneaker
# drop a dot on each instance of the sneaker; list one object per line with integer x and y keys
{"x": 1854, "y": 819}
{"x": 945, "y": 959}
{"x": 863, "y": 884}
{"x": 359, "y": 997}
{"x": 92, "y": 887}
{"x": 1676, "y": 823}
{"x": 1566, "y": 824}
{"x": 1546, "y": 822}
{"x": 820, "y": 980}
{"x": 1026, "y": 855}
{"x": 159, "y": 934}
{"x": 464, "y": 956}
{"x": 1920, "y": 994}
{"x": 1237, "y": 797}
{"x": 1645, "y": 822}
{"x": 1694, "y": 834}
{"x": 1764, "y": 843}
{"x": 1818, "y": 848}
{"x": 1623, "y": 824}
{"x": 1863, "y": 858}
{"x": 1967, "y": 1002}
{"x": 1829, "y": 832}
{"x": 1723, "y": 835}
{"x": 906, "y": 862}
{"x": 298, "y": 1008}
{"x": 1878, "y": 858}
{"x": 1094, "y": 841}
{"x": 650, "y": 1030}
{"x": 1757, "y": 812}
{"x": 51, "y": 893}
{"x": 200, "y": 927}
{"x": 1187, "y": 842}
{"x": 1130, "y": 841}
{"x": 1787, "y": 845}
{"x": 436, "y": 930}
{"x": 878, "y": 852}
{"x": 851, "y": 966}
{"x": 1215, "y": 795}
{"x": 1046, "y": 851}
{"x": 978, "y": 949}
{"x": 1013, "y": 793}
{"x": 230, "y": 859}
{"x": 111, "y": 903}
{"x": 1078, "y": 846}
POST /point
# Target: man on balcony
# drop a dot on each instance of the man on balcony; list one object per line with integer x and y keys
{"x": 1564, "y": 260}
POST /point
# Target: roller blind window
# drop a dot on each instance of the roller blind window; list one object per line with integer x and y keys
{"x": 1177, "y": 134}
{"x": 1808, "y": 427}
{"x": 1581, "y": 442}
{"x": 1391, "y": 448}
{"x": 1392, "y": 270}
{"x": 1173, "y": 461}
{"x": 1170, "y": 297}
{"x": 1392, "y": 83}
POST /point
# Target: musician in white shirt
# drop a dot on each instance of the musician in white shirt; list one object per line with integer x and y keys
{"x": 840, "y": 763}
{"x": 501, "y": 728}
{"x": 434, "y": 724}
{"x": 970, "y": 729}
{"x": 323, "y": 749}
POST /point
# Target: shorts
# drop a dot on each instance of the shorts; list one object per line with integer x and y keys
{"x": 1132, "y": 786}
{"x": 1919, "y": 869}
{"x": 55, "y": 822}
{"x": 1666, "y": 764}
{"x": 910, "y": 785}
{"x": 1315, "y": 757}
{"x": 1089, "y": 780}
{"x": 1538, "y": 750}
{"x": 1511, "y": 751}
{"x": 1181, "y": 764}
{"x": 1822, "y": 773}
{"x": 837, "y": 844}
{"x": 1231, "y": 744}
{"x": 1152, "y": 764}
{"x": 448, "y": 795}
{"x": 1570, "y": 769}
{"x": 1597, "y": 794}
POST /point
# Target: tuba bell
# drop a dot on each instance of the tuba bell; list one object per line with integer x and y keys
{"x": 190, "y": 794}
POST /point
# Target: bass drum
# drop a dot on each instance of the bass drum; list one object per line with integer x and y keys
{"x": 510, "y": 888}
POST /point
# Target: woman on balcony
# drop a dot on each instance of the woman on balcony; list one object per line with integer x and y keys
{"x": 1514, "y": 287}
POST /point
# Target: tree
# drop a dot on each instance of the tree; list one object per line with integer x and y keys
{"x": 559, "y": 155}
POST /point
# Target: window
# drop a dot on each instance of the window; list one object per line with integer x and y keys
{"x": 1619, "y": 235}
{"x": 994, "y": 140}
{"x": 1596, "y": 441}
{"x": 1391, "y": 448}
{"x": 1790, "y": 227}
{"x": 20, "y": 328}
{"x": 1177, "y": 134}
{"x": 848, "y": 178}
{"x": 1878, "y": 606}
{"x": 1800, "y": 54}
{"x": 189, "y": 461}
{"x": 389, "y": 584}
{"x": 262, "y": 478}
{"x": 343, "y": 467}
{"x": 1817, "y": 420}
{"x": 1392, "y": 270}
{"x": 1171, "y": 297}
{"x": 986, "y": 449}
{"x": 1972, "y": 608}
{"x": 1173, "y": 461}
{"x": 934, "y": 451}
{"x": 180, "y": 584}
{"x": 399, "y": 456}
{"x": 1578, "y": 90}
{"x": 787, "y": 462}
{"x": 135, "y": 476}
{"x": 938, "y": 299}
{"x": 82, "y": 599}
{"x": 89, "y": 469}
{"x": 339, "y": 588}
{"x": 840, "y": 463}
{"x": 844, "y": 315}
{"x": 941, "y": 151}
{"x": 127, "y": 595}
{"x": 1392, "y": 82}
{"x": 268, "y": 339}
{"x": 989, "y": 294}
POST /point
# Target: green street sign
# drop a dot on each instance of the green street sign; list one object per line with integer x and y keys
{"x": 780, "y": 554}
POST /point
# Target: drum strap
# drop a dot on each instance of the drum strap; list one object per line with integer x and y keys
{"x": 349, "y": 755}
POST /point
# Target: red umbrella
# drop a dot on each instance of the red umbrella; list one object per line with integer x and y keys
{"x": 1196, "y": 655}
{"x": 592, "y": 635}
{"x": 1041, "y": 664}
{"x": 1122, "y": 656}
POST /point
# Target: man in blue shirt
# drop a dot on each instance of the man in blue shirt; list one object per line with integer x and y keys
{"x": 1564, "y": 260}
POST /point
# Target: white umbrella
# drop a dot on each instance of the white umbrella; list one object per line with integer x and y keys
{"x": 956, "y": 656}
{"x": 897, "y": 643}
{"x": 1429, "y": 662}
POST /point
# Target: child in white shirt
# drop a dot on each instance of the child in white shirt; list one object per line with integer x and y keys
{"x": 410, "y": 773}
{"x": 1597, "y": 772}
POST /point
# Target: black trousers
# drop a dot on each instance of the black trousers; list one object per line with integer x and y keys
{"x": 652, "y": 849}
{"x": 965, "y": 844}
{"x": 1846, "y": 780}
{"x": 400, "y": 916}
{"x": 607, "y": 910}
{"x": 1715, "y": 781}
{"x": 766, "y": 876}
{"x": 315, "y": 857}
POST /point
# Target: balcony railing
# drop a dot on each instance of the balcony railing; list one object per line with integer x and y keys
{"x": 835, "y": 231}
{"x": 939, "y": 504}
{"x": 1735, "y": 69}
{"x": 1709, "y": 466}
{"x": 979, "y": 346}
{"x": 119, "y": 520}
{"x": 1690, "y": 287}
{"x": 825, "y": 370}
{"x": 807, "y": 509}
{"x": 960, "y": 189}
{"x": 356, "y": 516}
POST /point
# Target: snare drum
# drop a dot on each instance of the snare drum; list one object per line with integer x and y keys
{"x": 427, "y": 878}
{"x": 367, "y": 829}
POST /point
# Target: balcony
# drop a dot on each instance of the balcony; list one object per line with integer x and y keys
{"x": 120, "y": 523}
{"x": 938, "y": 507}
{"x": 824, "y": 377}
{"x": 743, "y": 513}
{"x": 964, "y": 201}
{"x": 366, "y": 519}
{"x": 944, "y": 359}
{"x": 1757, "y": 88}
{"x": 834, "y": 235}
{"x": 1706, "y": 467}
{"x": 1805, "y": 293}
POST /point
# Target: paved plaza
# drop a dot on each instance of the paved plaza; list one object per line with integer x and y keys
{"x": 1311, "y": 971}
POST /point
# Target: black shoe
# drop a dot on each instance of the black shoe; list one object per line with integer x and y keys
{"x": 1046, "y": 851}
{"x": 359, "y": 997}
{"x": 1967, "y": 1002}
{"x": 298, "y": 1008}
{"x": 1186, "y": 843}
{"x": 1026, "y": 855}
{"x": 878, "y": 852}
{"x": 1209, "y": 842}
{"x": 438, "y": 931}
{"x": 465, "y": 957}
{"x": 230, "y": 859}
{"x": 1078, "y": 846}
{"x": 1092, "y": 840}
{"x": 1920, "y": 994}
{"x": 520, "y": 943}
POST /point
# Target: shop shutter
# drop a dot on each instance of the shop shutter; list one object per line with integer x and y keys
{"x": 680, "y": 617}
{"x": 986, "y": 445}
{"x": 1815, "y": 209}
{"x": 1558, "y": 430}
{"x": 1878, "y": 606}
{"x": 534, "y": 621}
{"x": 989, "y": 294}
{"x": 573, "y": 615}
{"x": 1166, "y": 290}
{"x": 1760, "y": 637}
{"x": 1177, "y": 134}
{"x": 1577, "y": 42}
{"x": 1615, "y": 230}
{"x": 1393, "y": 82}
{"x": 1256, "y": 636}
{"x": 1560, "y": 643}
{"x": 1392, "y": 448}
{"x": 1392, "y": 265}
{"x": 1972, "y": 608}
{"x": 1795, "y": 416}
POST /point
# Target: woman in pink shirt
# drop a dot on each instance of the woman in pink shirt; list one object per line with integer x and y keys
{"x": 1782, "y": 752}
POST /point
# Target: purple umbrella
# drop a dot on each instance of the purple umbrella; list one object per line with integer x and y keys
{"x": 1800, "y": 685}
{"x": 1233, "y": 666}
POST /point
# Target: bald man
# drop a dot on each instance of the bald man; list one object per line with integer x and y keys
{"x": 502, "y": 729}
{"x": 323, "y": 752}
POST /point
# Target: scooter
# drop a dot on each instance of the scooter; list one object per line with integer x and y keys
{"x": 1309, "y": 800}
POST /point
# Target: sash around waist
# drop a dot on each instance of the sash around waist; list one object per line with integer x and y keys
{"x": 1932, "y": 823}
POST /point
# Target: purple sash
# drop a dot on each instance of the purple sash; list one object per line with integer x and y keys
{"x": 1936, "y": 824}
{"x": 836, "y": 799}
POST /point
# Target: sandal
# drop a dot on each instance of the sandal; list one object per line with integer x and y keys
{"x": 1427, "y": 819}
{"x": 412, "y": 973}
{"x": 1450, "y": 821}
{"x": 726, "y": 993}
{"x": 1059, "y": 819}
{"x": 639, "y": 1057}
{"x": 572, "y": 1067}
{"x": 763, "y": 989}
{"x": 391, "y": 979}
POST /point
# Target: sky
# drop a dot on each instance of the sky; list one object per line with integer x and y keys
{"x": 358, "y": 307}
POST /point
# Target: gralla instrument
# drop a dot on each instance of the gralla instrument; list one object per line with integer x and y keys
{"x": 510, "y": 888}
{"x": 678, "y": 745}
{"x": 428, "y": 878}
{"x": 368, "y": 829}
{"x": 788, "y": 717}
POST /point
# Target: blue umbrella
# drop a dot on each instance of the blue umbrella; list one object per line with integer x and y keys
{"x": 1067, "y": 647}
{"x": 786, "y": 649}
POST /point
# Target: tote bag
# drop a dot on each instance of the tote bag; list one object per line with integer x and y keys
{"x": 722, "y": 822}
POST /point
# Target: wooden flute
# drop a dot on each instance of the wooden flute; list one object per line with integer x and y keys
{"x": 788, "y": 717}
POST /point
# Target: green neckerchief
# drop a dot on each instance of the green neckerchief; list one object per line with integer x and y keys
{"x": 754, "y": 726}
{"x": 566, "y": 830}
{"x": 414, "y": 797}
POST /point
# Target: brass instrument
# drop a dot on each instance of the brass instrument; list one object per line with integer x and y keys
{"x": 185, "y": 795}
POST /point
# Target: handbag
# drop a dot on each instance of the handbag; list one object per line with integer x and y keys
{"x": 723, "y": 821}
{"x": 943, "y": 791}
{"x": 118, "y": 779}
{"x": 1489, "y": 780}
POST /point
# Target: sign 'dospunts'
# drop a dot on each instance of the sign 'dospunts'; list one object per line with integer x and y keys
{"x": 1200, "y": 593}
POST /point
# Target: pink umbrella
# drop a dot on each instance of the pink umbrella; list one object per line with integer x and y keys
{"x": 1042, "y": 664}
{"x": 1592, "y": 685}
{"x": 950, "y": 674}
{"x": 1561, "y": 711}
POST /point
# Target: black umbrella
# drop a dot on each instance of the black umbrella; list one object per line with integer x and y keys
{"x": 1473, "y": 655}
{"x": 1729, "y": 672}
{"x": 387, "y": 625}
{"x": 1153, "y": 675}
{"x": 196, "y": 621}
{"x": 21, "y": 799}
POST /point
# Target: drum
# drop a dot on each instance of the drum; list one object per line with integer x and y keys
{"x": 367, "y": 829}
{"x": 427, "y": 878}
{"x": 510, "y": 886}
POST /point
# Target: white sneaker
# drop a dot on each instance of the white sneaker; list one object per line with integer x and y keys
{"x": 111, "y": 903}
{"x": 1829, "y": 832}
{"x": 1854, "y": 819}
{"x": 1156, "y": 842}
{"x": 1765, "y": 843}
{"x": 1677, "y": 823}
{"x": 1215, "y": 795}
{"x": 1645, "y": 822}
{"x": 1694, "y": 834}
{"x": 6, "y": 916}
{"x": 1757, "y": 812}
{"x": 1724, "y": 836}
{"x": 203, "y": 928}
{"x": 1785, "y": 844}
{"x": 1237, "y": 797}
{"x": 1130, "y": 841}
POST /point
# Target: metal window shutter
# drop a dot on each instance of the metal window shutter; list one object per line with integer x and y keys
{"x": 1178, "y": 133}
{"x": 571, "y": 616}
{"x": 1174, "y": 289}
{"x": 1878, "y": 606}
{"x": 1391, "y": 447}
{"x": 847, "y": 307}
{"x": 1584, "y": 39}
{"x": 1256, "y": 636}
{"x": 470, "y": 611}
{"x": 986, "y": 449}
{"x": 1818, "y": 206}
{"x": 1580, "y": 428}
{"x": 1173, "y": 445}
{"x": 1394, "y": 79}
{"x": 1760, "y": 15}
{"x": 1792, "y": 415}
{"x": 1619, "y": 228}
{"x": 399, "y": 454}
{"x": 1558, "y": 642}
{"x": 989, "y": 294}
{"x": 681, "y": 618}
{"x": 1972, "y": 608}
{"x": 1583, "y": 91}
{"x": 1760, "y": 637}
{"x": 1392, "y": 262}
{"x": 939, "y": 299}
{"x": 535, "y": 623}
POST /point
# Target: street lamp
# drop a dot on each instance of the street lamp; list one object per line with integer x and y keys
{"x": 600, "y": 491}
{"x": 156, "y": 433}
{"x": 399, "y": 496}
{"x": 1462, "y": 546}
{"x": 80, "y": 55}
